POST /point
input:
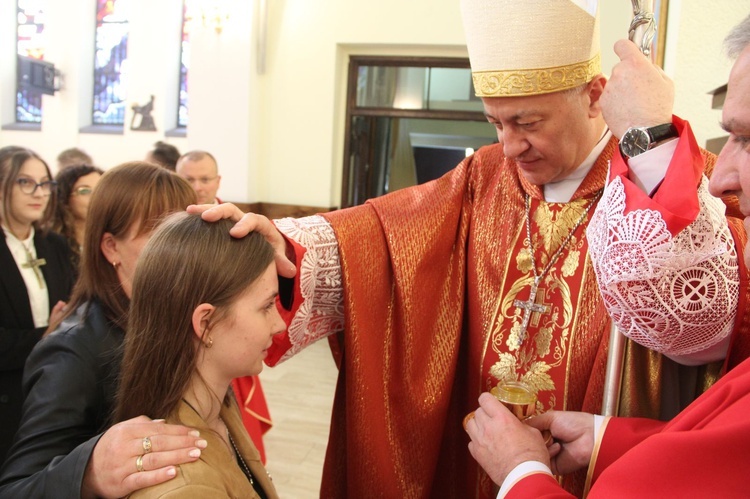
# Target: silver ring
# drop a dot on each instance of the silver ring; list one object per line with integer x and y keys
{"x": 146, "y": 445}
{"x": 139, "y": 463}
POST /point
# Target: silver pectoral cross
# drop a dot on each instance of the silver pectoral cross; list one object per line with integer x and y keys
{"x": 34, "y": 264}
{"x": 529, "y": 306}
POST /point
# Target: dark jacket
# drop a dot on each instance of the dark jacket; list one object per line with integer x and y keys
{"x": 17, "y": 333}
{"x": 70, "y": 382}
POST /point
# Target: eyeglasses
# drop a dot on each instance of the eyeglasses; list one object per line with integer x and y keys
{"x": 82, "y": 191}
{"x": 29, "y": 186}
{"x": 201, "y": 180}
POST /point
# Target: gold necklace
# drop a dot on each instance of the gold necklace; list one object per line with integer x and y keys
{"x": 529, "y": 306}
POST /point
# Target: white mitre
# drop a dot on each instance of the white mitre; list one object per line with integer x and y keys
{"x": 531, "y": 47}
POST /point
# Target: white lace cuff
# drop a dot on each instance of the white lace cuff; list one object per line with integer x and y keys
{"x": 319, "y": 274}
{"x": 676, "y": 295}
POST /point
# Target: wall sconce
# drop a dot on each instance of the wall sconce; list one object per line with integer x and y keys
{"x": 212, "y": 13}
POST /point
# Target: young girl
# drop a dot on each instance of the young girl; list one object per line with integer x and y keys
{"x": 203, "y": 312}
{"x": 36, "y": 275}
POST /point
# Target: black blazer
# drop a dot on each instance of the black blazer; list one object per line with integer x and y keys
{"x": 17, "y": 333}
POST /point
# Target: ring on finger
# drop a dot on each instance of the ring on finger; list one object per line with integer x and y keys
{"x": 468, "y": 418}
{"x": 547, "y": 435}
{"x": 139, "y": 463}
{"x": 146, "y": 445}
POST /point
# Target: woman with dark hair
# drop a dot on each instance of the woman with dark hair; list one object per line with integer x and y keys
{"x": 74, "y": 187}
{"x": 70, "y": 378}
{"x": 203, "y": 313}
{"x": 36, "y": 277}
{"x": 164, "y": 155}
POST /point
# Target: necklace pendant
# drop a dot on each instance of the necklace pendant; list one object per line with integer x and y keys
{"x": 35, "y": 264}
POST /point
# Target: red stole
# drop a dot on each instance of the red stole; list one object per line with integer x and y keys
{"x": 252, "y": 405}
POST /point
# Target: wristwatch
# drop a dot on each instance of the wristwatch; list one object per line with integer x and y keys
{"x": 640, "y": 139}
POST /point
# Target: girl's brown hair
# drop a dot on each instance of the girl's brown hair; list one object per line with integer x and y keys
{"x": 135, "y": 195}
{"x": 12, "y": 159}
{"x": 186, "y": 262}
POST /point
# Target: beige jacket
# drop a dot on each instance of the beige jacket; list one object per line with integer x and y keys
{"x": 216, "y": 474}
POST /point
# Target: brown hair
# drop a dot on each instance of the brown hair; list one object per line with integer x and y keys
{"x": 73, "y": 157}
{"x": 12, "y": 159}
{"x": 132, "y": 195}
{"x": 63, "y": 222}
{"x": 186, "y": 262}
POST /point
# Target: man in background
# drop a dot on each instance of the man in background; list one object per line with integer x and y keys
{"x": 73, "y": 157}
{"x": 200, "y": 169}
{"x": 164, "y": 155}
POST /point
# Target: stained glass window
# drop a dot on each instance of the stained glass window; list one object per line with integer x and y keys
{"x": 110, "y": 62}
{"x": 182, "y": 105}
{"x": 29, "y": 43}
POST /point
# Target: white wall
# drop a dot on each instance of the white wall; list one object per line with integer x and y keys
{"x": 279, "y": 136}
{"x": 701, "y": 65}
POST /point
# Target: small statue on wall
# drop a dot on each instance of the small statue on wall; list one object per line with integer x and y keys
{"x": 147, "y": 121}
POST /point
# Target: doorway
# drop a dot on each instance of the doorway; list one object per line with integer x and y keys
{"x": 409, "y": 120}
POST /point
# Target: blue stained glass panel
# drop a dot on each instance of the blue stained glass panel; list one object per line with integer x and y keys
{"x": 182, "y": 105}
{"x": 110, "y": 62}
{"x": 29, "y": 43}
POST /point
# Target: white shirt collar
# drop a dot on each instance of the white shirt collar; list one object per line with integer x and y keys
{"x": 562, "y": 190}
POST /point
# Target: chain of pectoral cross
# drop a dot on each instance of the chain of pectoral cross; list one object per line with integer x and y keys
{"x": 34, "y": 264}
{"x": 530, "y": 306}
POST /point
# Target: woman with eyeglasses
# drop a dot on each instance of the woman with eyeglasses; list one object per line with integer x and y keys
{"x": 74, "y": 187}
{"x": 36, "y": 277}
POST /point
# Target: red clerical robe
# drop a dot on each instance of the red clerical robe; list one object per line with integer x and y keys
{"x": 703, "y": 452}
{"x": 254, "y": 410}
{"x": 432, "y": 277}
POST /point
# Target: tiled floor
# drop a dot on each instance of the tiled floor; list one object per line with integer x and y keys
{"x": 299, "y": 394}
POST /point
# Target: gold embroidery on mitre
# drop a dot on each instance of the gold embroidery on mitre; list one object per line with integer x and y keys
{"x": 535, "y": 81}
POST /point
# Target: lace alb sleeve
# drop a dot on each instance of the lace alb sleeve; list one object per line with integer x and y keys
{"x": 322, "y": 310}
{"x": 676, "y": 295}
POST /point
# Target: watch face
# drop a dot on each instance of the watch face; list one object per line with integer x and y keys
{"x": 634, "y": 142}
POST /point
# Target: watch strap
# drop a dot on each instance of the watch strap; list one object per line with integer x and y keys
{"x": 662, "y": 132}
